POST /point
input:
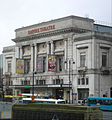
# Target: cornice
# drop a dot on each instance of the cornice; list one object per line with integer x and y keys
{"x": 90, "y": 35}
{"x": 72, "y": 17}
{"x": 47, "y": 34}
{"x": 103, "y": 36}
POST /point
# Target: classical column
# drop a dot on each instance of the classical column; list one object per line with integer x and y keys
{"x": 47, "y": 47}
{"x": 17, "y": 49}
{"x": 20, "y": 52}
{"x": 65, "y": 52}
{"x": 35, "y": 56}
{"x": 70, "y": 47}
{"x": 52, "y": 48}
{"x": 32, "y": 57}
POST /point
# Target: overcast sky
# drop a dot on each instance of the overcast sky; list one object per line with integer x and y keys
{"x": 18, "y": 13}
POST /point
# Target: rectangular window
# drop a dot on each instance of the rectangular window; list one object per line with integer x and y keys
{"x": 61, "y": 81}
{"x": 27, "y": 65}
{"x": 9, "y": 67}
{"x": 37, "y": 82}
{"x": 60, "y": 64}
{"x": 42, "y": 82}
{"x": 44, "y": 64}
{"x": 104, "y": 60}
{"x": 79, "y": 81}
{"x": 25, "y": 82}
{"x": 87, "y": 81}
{"x": 83, "y": 81}
{"x": 57, "y": 81}
{"x": 82, "y": 59}
{"x": 22, "y": 82}
{"x": 54, "y": 81}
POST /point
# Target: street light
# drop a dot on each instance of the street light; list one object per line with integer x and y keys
{"x": 69, "y": 61}
{"x": 33, "y": 87}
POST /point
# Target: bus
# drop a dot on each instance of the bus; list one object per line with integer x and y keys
{"x": 37, "y": 100}
{"x": 105, "y": 103}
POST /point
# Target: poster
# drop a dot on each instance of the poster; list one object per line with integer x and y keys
{"x": 39, "y": 64}
{"x": 51, "y": 63}
{"x": 19, "y": 65}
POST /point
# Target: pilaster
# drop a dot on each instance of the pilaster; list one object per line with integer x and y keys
{"x": 20, "y": 52}
{"x": 35, "y": 49}
{"x": 32, "y": 57}
{"x": 52, "y": 48}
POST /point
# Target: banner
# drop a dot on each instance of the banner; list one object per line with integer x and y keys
{"x": 19, "y": 65}
{"x": 39, "y": 64}
{"x": 51, "y": 63}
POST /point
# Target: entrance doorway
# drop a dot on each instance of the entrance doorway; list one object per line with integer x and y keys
{"x": 59, "y": 93}
{"x": 111, "y": 92}
{"x": 83, "y": 93}
{"x": 25, "y": 90}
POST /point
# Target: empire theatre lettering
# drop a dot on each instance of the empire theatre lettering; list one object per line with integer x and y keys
{"x": 50, "y": 27}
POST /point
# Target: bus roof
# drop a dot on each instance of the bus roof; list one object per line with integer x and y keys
{"x": 26, "y": 94}
{"x": 100, "y": 98}
{"x": 37, "y": 99}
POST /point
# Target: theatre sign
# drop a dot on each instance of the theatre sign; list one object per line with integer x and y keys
{"x": 42, "y": 29}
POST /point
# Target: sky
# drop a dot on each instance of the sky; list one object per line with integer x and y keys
{"x": 15, "y": 14}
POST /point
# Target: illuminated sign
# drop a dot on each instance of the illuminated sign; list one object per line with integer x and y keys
{"x": 36, "y": 30}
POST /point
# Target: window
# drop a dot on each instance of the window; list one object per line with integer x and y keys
{"x": 59, "y": 63}
{"x": 10, "y": 83}
{"x": 44, "y": 64}
{"x": 41, "y": 64}
{"x": 79, "y": 81}
{"x": 58, "y": 81}
{"x": 104, "y": 60}
{"x": 9, "y": 67}
{"x": 87, "y": 81}
{"x": 83, "y": 81}
{"x": 25, "y": 82}
{"x": 27, "y": 65}
{"x": 82, "y": 60}
{"x": 42, "y": 82}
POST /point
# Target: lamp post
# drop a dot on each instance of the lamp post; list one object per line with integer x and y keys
{"x": 33, "y": 87}
{"x": 69, "y": 81}
{"x": 33, "y": 97}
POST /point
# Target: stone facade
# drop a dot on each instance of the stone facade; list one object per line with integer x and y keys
{"x": 70, "y": 40}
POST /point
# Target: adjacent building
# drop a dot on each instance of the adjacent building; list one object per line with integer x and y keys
{"x": 69, "y": 58}
{"x": 1, "y": 67}
{"x": 1, "y": 76}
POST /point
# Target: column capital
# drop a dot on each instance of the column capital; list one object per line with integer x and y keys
{"x": 21, "y": 47}
{"x": 32, "y": 45}
{"x": 47, "y": 42}
{"x": 51, "y": 41}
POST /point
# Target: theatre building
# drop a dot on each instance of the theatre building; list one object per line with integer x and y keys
{"x": 69, "y": 58}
